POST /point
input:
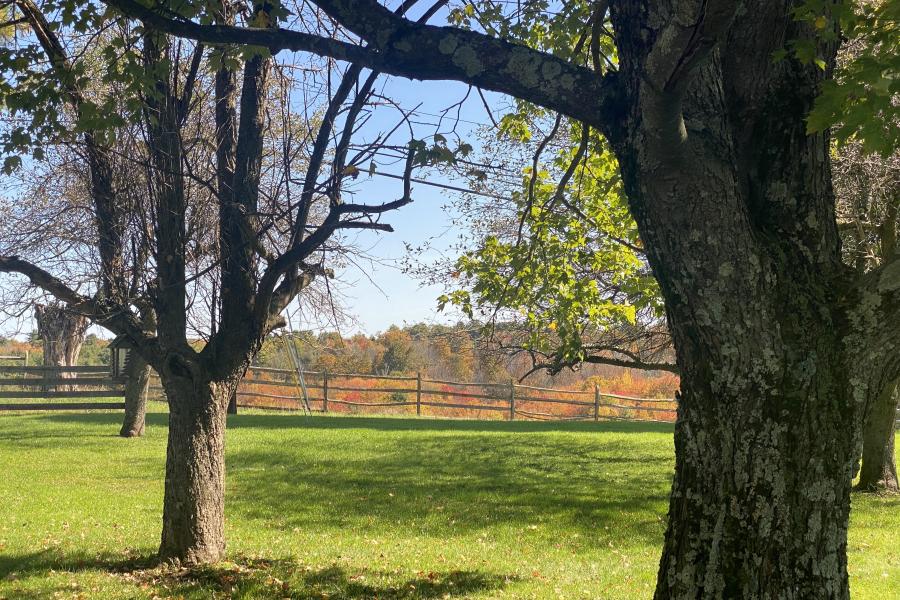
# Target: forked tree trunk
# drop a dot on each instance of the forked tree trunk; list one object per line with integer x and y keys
{"x": 194, "y": 500}
{"x": 879, "y": 471}
{"x": 137, "y": 384}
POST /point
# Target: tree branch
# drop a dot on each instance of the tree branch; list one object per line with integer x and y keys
{"x": 690, "y": 32}
{"x": 371, "y": 209}
{"x": 885, "y": 279}
{"x": 184, "y": 103}
{"x": 109, "y": 215}
{"x": 686, "y": 39}
{"x": 554, "y": 367}
{"x": 42, "y": 279}
{"x": 117, "y": 319}
{"x": 633, "y": 364}
{"x": 598, "y": 16}
{"x": 398, "y": 46}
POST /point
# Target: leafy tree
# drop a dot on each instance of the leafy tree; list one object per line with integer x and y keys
{"x": 780, "y": 346}
{"x": 560, "y": 264}
{"x": 860, "y": 103}
{"x": 358, "y": 354}
{"x": 262, "y": 249}
{"x": 94, "y": 351}
{"x": 732, "y": 199}
{"x": 399, "y": 354}
{"x": 504, "y": 283}
{"x": 87, "y": 179}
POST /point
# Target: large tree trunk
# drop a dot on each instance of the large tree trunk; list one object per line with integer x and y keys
{"x": 760, "y": 500}
{"x": 137, "y": 383}
{"x": 734, "y": 204}
{"x": 194, "y": 500}
{"x": 62, "y": 332}
{"x": 765, "y": 441}
{"x": 878, "y": 471}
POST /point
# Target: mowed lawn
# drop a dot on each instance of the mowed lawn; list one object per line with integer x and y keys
{"x": 345, "y": 507}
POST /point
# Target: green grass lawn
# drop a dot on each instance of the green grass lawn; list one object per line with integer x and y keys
{"x": 340, "y": 508}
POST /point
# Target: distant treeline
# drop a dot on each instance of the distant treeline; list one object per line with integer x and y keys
{"x": 436, "y": 351}
{"x": 447, "y": 352}
{"x": 94, "y": 351}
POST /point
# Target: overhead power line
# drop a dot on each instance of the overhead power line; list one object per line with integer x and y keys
{"x": 444, "y": 186}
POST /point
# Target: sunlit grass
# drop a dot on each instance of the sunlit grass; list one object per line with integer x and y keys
{"x": 341, "y": 507}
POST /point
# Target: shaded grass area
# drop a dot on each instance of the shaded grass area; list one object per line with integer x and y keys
{"x": 353, "y": 508}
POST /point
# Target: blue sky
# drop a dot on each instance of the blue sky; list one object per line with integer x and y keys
{"x": 379, "y": 293}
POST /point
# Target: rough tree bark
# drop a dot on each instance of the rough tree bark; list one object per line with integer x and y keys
{"x": 62, "y": 333}
{"x": 733, "y": 200}
{"x": 878, "y": 472}
{"x": 194, "y": 498}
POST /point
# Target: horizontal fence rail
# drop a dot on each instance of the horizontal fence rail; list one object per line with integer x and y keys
{"x": 42, "y": 406}
{"x": 78, "y": 383}
{"x": 69, "y": 388}
{"x": 82, "y": 370}
{"x": 280, "y": 389}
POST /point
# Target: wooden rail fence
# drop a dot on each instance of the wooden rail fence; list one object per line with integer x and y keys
{"x": 23, "y": 383}
{"x": 22, "y": 358}
{"x": 279, "y": 389}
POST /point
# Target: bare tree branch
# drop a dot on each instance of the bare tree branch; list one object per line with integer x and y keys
{"x": 115, "y": 318}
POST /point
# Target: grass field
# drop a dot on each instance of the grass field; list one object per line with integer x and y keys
{"x": 352, "y": 508}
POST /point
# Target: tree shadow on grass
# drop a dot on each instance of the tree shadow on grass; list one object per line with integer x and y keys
{"x": 445, "y": 478}
{"x": 288, "y": 579}
{"x": 16, "y": 570}
{"x": 20, "y": 428}
{"x": 451, "y": 485}
{"x": 239, "y": 578}
{"x": 281, "y": 421}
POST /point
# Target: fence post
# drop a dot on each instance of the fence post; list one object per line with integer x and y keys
{"x": 596, "y": 402}
{"x": 512, "y": 399}
{"x": 419, "y": 394}
{"x": 325, "y": 390}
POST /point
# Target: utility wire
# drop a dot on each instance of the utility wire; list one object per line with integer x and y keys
{"x": 444, "y": 186}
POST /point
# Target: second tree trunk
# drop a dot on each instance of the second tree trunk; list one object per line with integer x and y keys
{"x": 879, "y": 471}
{"x": 136, "y": 386}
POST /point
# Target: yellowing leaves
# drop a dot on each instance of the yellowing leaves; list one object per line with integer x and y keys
{"x": 576, "y": 271}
